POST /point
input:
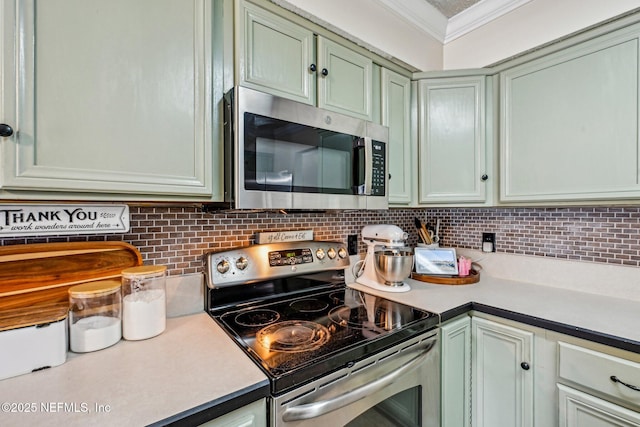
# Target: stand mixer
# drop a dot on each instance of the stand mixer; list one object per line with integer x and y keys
{"x": 385, "y": 265}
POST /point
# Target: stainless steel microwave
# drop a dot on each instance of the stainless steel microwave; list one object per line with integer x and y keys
{"x": 282, "y": 154}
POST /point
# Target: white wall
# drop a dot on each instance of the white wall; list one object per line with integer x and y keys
{"x": 374, "y": 24}
{"x": 535, "y": 23}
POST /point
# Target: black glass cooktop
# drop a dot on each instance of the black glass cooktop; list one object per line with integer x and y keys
{"x": 309, "y": 332}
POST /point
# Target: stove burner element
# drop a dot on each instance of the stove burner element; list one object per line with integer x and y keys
{"x": 309, "y": 305}
{"x": 348, "y": 316}
{"x": 337, "y": 298}
{"x": 293, "y": 336}
{"x": 254, "y": 318}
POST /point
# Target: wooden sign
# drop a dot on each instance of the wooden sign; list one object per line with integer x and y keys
{"x": 284, "y": 236}
{"x": 46, "y": 220}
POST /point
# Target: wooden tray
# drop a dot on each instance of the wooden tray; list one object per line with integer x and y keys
{"x": 35, "y": 278}
{"x": 473, "y": 277}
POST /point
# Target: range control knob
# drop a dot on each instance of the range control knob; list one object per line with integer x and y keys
{"x": 223, "y": 266}
{"x": 242, "y": 263}
{"x": 332, "y": 253}
{"x": 320, "y": 254}
{"x": 342, "y": 253}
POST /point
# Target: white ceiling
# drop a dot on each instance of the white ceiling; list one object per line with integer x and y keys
{"x": 447, "y": 20}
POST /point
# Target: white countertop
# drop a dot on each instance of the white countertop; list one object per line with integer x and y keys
{"x": 193, "y": 362}
{"x": 617, "y": 317}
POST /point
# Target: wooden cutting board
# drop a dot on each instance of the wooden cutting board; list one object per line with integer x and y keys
{"x": 35, "y": 278}
{"x": 473, "y": 277}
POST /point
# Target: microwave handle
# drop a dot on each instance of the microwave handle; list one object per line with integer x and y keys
{"x": 368, "y": 165}
{"x": 363, "y": 188}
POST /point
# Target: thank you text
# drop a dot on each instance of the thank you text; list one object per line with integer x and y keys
{"x": 37, "y": 220}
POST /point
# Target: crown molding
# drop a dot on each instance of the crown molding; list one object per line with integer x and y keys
{"x": 421, "y": 15}
{"x": 431, "y": 21}
{"x": 479, "y": 14}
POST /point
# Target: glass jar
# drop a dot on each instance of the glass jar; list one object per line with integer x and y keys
{"x": 144, "y": 301}
{"x": 95, "y": 315}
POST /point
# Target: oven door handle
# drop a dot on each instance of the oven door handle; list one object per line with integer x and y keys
{"x": 317, "y": 409}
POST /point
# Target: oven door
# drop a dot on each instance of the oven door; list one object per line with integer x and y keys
{"x": 399, "y": 386}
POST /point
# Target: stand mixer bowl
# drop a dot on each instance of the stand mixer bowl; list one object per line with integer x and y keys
{"x": 394, "y": 265}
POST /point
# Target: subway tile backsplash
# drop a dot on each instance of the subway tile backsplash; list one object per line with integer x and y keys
{"x": 179, "y": 236}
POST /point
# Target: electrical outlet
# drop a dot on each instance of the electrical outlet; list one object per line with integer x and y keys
{"x": 488, "y": 242}
{"x": 352, "y": 244}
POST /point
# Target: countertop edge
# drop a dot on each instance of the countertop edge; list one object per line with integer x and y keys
{"x": 217, "y": 407}
{"x": 574, "y": 331}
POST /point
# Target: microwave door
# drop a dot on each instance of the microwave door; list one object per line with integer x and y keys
{"x": 261, "y": 179}
{"x": 332, "y": 169}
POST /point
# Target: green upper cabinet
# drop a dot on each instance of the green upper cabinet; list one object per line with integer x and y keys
{"x": 278, "y": 56}
{"x": 569, "y": 123}
{"x": 344, "y": 80}
{"x": 452, "y": 132}
{"x": 108, "y": 99}
{"x": 396, "y": 114}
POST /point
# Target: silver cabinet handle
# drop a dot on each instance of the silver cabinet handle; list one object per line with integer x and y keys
{"x": 317, "y": 409}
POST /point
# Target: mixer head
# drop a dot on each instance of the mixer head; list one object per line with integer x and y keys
{"x": 387, "y": 235}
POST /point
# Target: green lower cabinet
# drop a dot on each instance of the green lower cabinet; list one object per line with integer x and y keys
{"x": 579, "y": 409}
{"x": 502, "y": 375}
{"x": 251, "y": 415}
{"x": 456, "y": 373}
{"x": 587, "y": 394}
{"x": 514, "y": 374}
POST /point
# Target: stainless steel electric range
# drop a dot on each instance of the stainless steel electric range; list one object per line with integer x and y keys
{"x": 332, "y": 354}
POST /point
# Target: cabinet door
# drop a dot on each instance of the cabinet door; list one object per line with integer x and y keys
{"x": 502, "y": 375}
{"x": 277, "y": 56}
{"x": 396, "y": 104}
{"x": 578, "y": 409}
{"x": 569, "y": 123}
{"x": 251, "y": 415}
{"x": 456, "y": 373}
{"x": 344, "y": 80}
{"x": 452, "y": 140}
{"x": 108, "y": 96}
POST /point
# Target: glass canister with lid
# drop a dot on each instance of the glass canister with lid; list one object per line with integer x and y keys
{"x": 144, "y": 301}
{"x": 95, "y": 315}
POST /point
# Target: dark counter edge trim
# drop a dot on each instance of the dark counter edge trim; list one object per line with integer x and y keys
{"x": 574, "y": 331}
{"x": 218, "y": 407}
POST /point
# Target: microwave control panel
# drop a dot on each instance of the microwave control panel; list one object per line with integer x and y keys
{"x": 379, "y": 179}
